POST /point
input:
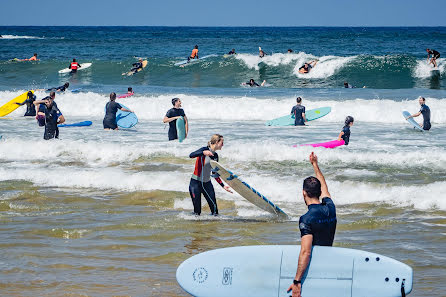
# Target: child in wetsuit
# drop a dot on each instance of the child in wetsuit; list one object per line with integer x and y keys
{"x": 345, "y": 133}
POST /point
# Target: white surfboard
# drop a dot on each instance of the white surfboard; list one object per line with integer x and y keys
{"x": 185, "y": 62}
{"x": 83, "y": 66}
{"x": 246, "y": 191}
{"x": 268, "y": 271}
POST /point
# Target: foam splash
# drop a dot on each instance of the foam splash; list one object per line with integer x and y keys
{"x": 424, "y": 70}
{"x": 20, "y": 37}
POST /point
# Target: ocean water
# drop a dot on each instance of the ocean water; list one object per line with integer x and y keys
{"x": 108, "y": 213}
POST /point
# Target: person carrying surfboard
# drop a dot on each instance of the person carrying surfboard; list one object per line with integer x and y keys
{"x": 111, "y": 108}
{"x": 51, "y": 114}
{"x": 200, "y": 182}
{"x": 74, "y": 66}
{"x": 345, "y": 133}
{"x": 298, "y": 111}
{"x": 194, "y": 54}
{"x": 425, "y": 111}
{"x": 307, "y": 66}
{"x": 171, "y": 117}
{"x": 435, "y": 56}
{"x": 318, "y": 225}
{"x": 30, "y": 107}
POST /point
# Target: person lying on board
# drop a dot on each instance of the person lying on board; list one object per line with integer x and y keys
{"x": 252, "y": 83}
{"x": 308, "y": 66}
{"x": 137, "y": 66}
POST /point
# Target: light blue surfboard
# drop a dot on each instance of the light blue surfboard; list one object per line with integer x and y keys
{"x": 268, "y": 271}
{"x": 125, "y": 119}
{"x": 412, "y": 121}
{"x": 311, "y": 115}
{"x": 181, "y": 129}
{"x": 193, "y": 60}
{"x": 76, "y": 90}
{"x": 79, "y": 124}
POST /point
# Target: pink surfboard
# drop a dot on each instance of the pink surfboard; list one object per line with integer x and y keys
{"x": 329, "y": 144}
{"x": 125, "y": 95}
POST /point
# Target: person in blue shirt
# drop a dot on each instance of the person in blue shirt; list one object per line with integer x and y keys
{"x": 425, "y": 111}
{"x": 299, "y": 113}
{"x": 51, "y": 114}
{"x": 318, "y": 225}
{"x": 345, "y": 133}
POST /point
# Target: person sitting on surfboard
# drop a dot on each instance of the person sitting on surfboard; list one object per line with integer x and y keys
{"x": 111, "y": 108}
{"x": 171, "y": 117}
{"x": 51, "y": 114}
{"x": 60, "y": 88}
{"x": 318, "y": 225}
{"x": 298, "y": 111}
{"x": 137, "y": 66}
{"x": 307, "y": 66}
{"x": 345, "y": 133}
{"x": 30, "y": 107}
{"x": 194, "y": 54}
{"x": 200, "y": 182}
{"x": 425, "y": 111}
{"x": 74, "y": 66}
{"x": 232, "y": 52}
{"x": 252, "y": 83}
{"x": 435, "y": 56}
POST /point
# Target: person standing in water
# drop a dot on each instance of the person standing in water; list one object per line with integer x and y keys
{"x": 194, "y": 54}
{"x": 261, "y": 53}
{"x": 298, "y": 111}
{"x": 345, "y": 133}
{"x": 200, "y": 182}
{"x": 435, "y": 56}
{"x": 171, "y": 117}
{"x": 30, "y": 107}
{"x": 51, "y": 114}
{"x": 425, "y": 111}
{"x": 111, "y": 108}
{"x": 74, "y": 66}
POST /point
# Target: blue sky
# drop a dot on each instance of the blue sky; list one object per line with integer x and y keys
{"x": 223, "y": 13}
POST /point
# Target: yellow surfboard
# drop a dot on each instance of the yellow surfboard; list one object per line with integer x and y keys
{"x": 9, "y": 107}
{"x": 144, "y": 64}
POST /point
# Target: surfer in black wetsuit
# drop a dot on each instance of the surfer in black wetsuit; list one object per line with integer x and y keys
{"x": 425, "y": 111}
{"x": 307, "y": 66}
{"x": 345, "y": 133}
{"x": 232, "y": 52}
{"x": 299, "y": 113}
{"x": 111, "y": 108}
{"x": 252, "y": 83}
{"x": 171, "y": 117}
{"x": 51, "y": 115}
{"x": 136, "y": 66}
{"x": 435, "y": 56}
{"x": 318, "y": 225}
{"x": 30, "y": 107}
{"x": 261, "y": 53}
{"x": 60, "y": 88}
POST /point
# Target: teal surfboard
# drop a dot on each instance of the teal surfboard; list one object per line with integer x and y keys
{"x": 412, "y": 121}
{"x": 311, "y": 115}
{"x": 181, "y": 129}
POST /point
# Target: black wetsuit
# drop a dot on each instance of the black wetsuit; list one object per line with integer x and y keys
{"x": 60, "y": 88}
{"x": 52, "y": 114}
{"x": 307, "y": 69}
{"x": 346, "y": 136}
{"x": 30, "y": 107}
{"x": 136, "y": 66}
{"x": 111, "y": 109}
{"x": 320, "y": 221}
{"x": 426, "y": 112}
{"x": 174, "y": 112}
{"x": 298, "y": 110}
{"x": 254, "y": 84}
{"x": 434, "y": 54}
{"x": 232, "y": 53}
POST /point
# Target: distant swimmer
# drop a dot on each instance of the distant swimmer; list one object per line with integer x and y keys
{"x": 435, "y": 56}
{"x": 232, "y": 52}
{"x": 137, "y": 66}
{"x": 51, "y": 115}
{"x": 290, "y": 51}
{"x": 194, "y": 54}
{"x": 171, "y": 117}
{"x": 111, "y": 108}
{"x": 61, "y": 88}
{"x": 345, "y": 133}
{"x": 74, "y": 66}
{"x": 307, "y": 66}
{"x": 425, "y": 111}
{"x": 261, "y": 53}
{"x": 200, "y": 182}
{"x": 252, "y": 83}
{"x": 298, "y": 111}
{"x": 30, "y": 107}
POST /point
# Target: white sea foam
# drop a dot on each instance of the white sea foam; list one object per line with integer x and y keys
{"x": 424, "y": 70}
{"x": 20, "y": 37}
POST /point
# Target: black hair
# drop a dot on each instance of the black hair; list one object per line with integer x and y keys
{"x": 112, "y": 96}
{"x": 67, "y": 84}
{"x": 52, "y": 94}
{"x": 174, "y": 100}
{"x": 299, "y": 100}
{"x": 35, "y": 54}
{"x": 30, "y": 94}
{"x": 348, "y": 120}
{"x": 290, "y": 50}
{"x": 130, "y": 89}
{"x": 313, "y": 187}
{"x": 196, "y": 46}
{"x": 424, "y": 99}
{"x": 74, "y": 60}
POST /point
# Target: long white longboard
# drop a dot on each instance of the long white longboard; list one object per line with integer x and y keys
{"x": 268, "y": 271}
{"x": 83, "y": 66}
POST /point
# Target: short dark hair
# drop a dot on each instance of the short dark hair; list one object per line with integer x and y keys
{"x": 52, "y": 94}
{"x": 299, "y": 100}
{"x": 130, "y": 89}
{"x": 422, "y": 98}
{"x": 174, "y": 100}
{"x": 313, "y": 187}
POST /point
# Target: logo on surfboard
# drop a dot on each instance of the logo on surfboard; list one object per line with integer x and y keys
{"x": 200, "y": 275}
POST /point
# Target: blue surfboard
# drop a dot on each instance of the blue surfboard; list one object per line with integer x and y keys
{"x": 268, "y": 270}
{"x": 79, "y": 124}
{"x": 412, "y": 121}
{"x": 181, "y": 129}
{"x": 76, "y": 90}
{"x": 125, "y": 119}
{"x": 310, "y": 115}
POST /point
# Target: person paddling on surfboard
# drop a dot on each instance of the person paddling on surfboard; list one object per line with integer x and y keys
{"x": 307, "y": 66}
{"x": 50, "y": 115}
{"x": 171, "y": 117}
{"x": 194, "y": 54}
{"x": 252, "y": 83}
{"x": 30, "y": 107}
{"x": 61, "y": 88}
{"x": 232, "y": 52}
{"x": 137, "y": 66}
{"x": 345, "y": 133}
{"x": 435, "y": 56}
{"x": 111, "y": 109}
{"x": 298, "y": 111}
{"x": 318, "y": 225}
{"x": 425, "y": 111}
{"x": 74, "y": 66}
{"x": 200, "y": 182}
